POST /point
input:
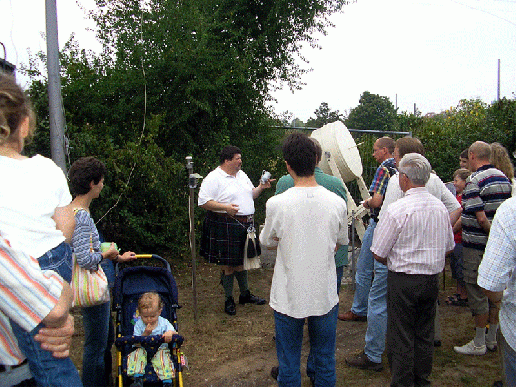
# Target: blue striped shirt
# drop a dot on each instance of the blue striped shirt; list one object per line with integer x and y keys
{"x": 485, "y": 190}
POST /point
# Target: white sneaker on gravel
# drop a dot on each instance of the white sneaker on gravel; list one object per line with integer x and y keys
{"x": 491, "y": 345}
{"x": 471, "y": 349}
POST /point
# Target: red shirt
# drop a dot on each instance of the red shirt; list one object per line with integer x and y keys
{"x": 457, "y": 237}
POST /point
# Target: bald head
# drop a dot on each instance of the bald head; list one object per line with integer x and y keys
{"x": 481, "y": 150}
{"x": 478, "y": 155}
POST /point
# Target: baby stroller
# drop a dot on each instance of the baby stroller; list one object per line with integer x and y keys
{"x": 131, "y": 282}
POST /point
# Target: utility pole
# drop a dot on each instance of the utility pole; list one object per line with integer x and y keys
{"x": 57, "y": 121}
{"x": 498, "y": 93}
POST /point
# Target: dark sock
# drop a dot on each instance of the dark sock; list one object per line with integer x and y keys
{"x": 227, "y": 283}
{"x": 241, "y": 277}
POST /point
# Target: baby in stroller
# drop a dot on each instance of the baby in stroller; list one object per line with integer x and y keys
{"x": 150, "y": 306}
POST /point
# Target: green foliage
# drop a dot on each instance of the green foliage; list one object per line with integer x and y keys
{"x": 323, "y": 116}
{"x": 374, "y": 112}
{"x": 447, "y": 134}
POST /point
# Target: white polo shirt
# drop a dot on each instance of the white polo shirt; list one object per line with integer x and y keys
{"x": 224, "y": 188}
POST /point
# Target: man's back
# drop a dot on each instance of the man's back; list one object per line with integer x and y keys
{"x": 424, "y": 236}
{"x": 485, "y": 190}
{"x": 309, "y": 222}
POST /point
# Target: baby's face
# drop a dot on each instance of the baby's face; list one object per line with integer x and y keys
{"x": 150, "y": 316}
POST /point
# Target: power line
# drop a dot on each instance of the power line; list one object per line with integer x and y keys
{"x": 484, "y": 11}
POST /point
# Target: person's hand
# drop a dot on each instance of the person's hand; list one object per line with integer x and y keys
{"x": 57, "y": 340}
{"x": 149, "y": 328}
{"x": 167, "y": 336}
{"x": 111, "y": 253}
{"x": 267, "y": 184}
{"x": 127, "y": 256}
{"x": 232, "y": 209}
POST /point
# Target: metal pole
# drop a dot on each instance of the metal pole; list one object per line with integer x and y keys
{"x": 57, "y": 122}
{"x": 353, "y": 258}
{"x": 498, "y": 90}
{"x": 192, "y": 184}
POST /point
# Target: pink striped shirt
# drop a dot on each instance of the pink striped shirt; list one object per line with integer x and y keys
{"x": 27, "y": 295}
{"x": 414, "y": 234}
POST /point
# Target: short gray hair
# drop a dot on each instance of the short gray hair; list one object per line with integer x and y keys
{"x": 416, "y": 167}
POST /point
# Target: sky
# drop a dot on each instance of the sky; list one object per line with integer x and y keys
{"x": 431, "y": 53}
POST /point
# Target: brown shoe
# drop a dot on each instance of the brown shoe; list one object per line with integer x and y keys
{"x": 350, "y": 316}
{"x": 362, "y": 361}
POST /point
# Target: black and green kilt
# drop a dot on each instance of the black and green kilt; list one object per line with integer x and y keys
{"x": 223, "y": 239}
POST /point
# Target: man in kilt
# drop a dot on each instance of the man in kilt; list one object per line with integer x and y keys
{"x": 228, "y": 196}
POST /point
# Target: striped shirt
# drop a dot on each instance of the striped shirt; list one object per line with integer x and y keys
{"x": 27, "y": 295}
{"x": 381, "y": 180}
{"x": 414, "y": 234}
{"x": 485, "y": 190}
{"x": 497, "y": 272}
{"x": 85, "y": 241}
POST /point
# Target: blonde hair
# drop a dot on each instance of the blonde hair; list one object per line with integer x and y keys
{"x": 501, "y": 160}
{"x": 15, "y": 106}
{"x": 462, "y": 173}
{"x": 149, "y": 301}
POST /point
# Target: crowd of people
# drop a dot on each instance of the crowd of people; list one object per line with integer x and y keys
{"x": 415, "y": 222}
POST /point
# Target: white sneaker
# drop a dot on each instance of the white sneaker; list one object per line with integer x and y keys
{"x": 491, "y": 345}
{"x": 471, "y": 349}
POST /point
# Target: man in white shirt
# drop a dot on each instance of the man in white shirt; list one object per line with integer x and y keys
{"x": 412, "y": 238}
{"x": 497, "y": 275}
{"x": 306, "y": 223}
{"x": 228, "y": 195}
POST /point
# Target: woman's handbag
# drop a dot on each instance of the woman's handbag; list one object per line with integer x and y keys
{"x": 90, "y": 287}
{"x": 252, "y": 250}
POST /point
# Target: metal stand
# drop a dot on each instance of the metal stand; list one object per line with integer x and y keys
{"x": 192, "y": 184}
{"x": 353, "y": 258}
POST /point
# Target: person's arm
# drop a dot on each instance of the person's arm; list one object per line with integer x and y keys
{"x": 374, "y": 202}
{"x": 496, "y": 270}
{"x": 385, "y": 236}
{"x": 48, "y": 300}
{"x": 457, "y": 226}
{"x": 268, "y": 237}
{"x": 212, "y": 205}
{"x": 57, "y": 340}
{"x": 258, "y": 190}
{"x": 455, "y": 215}
{"x": 494, "y": 297}
{"x": 483, "y": 221}
{"x": 81, "y": 243}
{"x": 382, "y": 260}
{"x": 57, "y": 317}
{"x": 65, "y": 221}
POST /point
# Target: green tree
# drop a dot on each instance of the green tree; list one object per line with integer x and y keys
{"x": 374, "y": 112}
{"x": 323, "y": 116}
{"x": 174, "y": 79}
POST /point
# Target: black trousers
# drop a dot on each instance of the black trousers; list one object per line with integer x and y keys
{"x": 411, "y": 306}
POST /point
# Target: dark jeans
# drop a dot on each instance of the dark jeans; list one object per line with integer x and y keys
{"x": 411, "y": 305}
{"x": 98, "y": 339}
